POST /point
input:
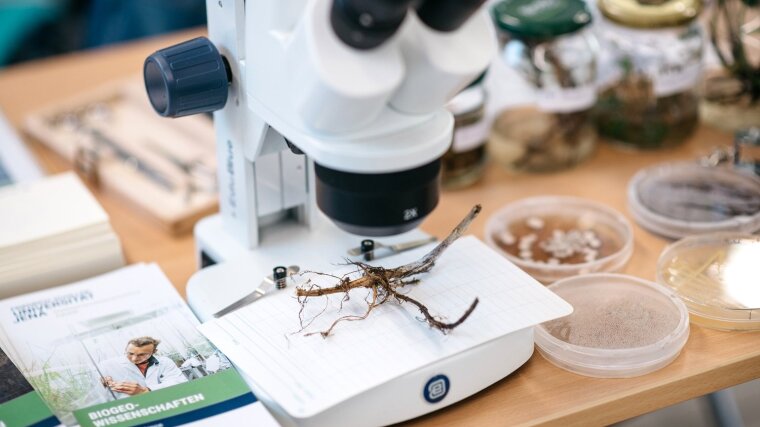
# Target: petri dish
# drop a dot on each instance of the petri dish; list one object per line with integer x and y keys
{"x": 553, "y": 237}
{"x": 676, "y": 200}
{"x": 621, "y": 326}
{"x": 716, "y": 275}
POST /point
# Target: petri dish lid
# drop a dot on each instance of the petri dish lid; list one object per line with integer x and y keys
{"x": 716, "y": 275}
{"x": 676, "y": 200}
{"x": 621, "y": 326}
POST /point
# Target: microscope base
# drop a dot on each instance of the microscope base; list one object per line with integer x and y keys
{"x": 403, "y": 398}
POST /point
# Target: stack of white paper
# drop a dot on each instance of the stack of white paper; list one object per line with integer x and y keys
{"x": 53, "y": 231}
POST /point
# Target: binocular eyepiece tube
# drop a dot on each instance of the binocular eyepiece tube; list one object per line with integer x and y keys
{"x": 367, "y": 24}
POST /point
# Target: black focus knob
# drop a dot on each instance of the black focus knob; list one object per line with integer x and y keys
{"x": 187, "y": 78}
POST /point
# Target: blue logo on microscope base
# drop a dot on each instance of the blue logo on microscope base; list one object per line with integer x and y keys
{"x": 436, "y": 388}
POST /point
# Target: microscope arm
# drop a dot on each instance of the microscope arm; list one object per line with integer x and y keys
{"x": 259, "y": 177}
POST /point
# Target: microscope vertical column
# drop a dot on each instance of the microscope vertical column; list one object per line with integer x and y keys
{"x": 237, "y": 203}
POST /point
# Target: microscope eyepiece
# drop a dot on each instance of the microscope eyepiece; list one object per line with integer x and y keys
{"x": 378, "y": 204}
{"x": 446, "y": 15}
{"x": 366, "y": 24}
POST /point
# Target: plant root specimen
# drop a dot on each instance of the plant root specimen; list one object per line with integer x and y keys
{"x": 384, "y": 284}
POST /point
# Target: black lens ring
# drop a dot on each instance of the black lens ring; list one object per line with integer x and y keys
{"x": 378, "y": 201}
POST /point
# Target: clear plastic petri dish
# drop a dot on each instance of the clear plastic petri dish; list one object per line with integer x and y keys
{"x": 621, "y": 326}
{"x": 676, "y": 200}
{"x": 553, "y": 237}
{"x": 716, "y": 275}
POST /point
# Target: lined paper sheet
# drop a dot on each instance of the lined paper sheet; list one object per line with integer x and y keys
{"x": 308, "y": 374}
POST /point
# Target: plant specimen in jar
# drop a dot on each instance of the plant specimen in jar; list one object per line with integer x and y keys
{"x": 539, "y": 139}
{"x": 631, "y": 112}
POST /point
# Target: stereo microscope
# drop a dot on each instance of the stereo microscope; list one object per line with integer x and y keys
{"x": 336, "y": 104}
{"x": 333, "y": 103}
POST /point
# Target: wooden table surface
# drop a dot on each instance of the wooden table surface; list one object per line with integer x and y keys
{"x": 539, "y": 392}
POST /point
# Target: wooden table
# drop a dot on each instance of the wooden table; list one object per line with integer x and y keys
{"x": 539, "y": 392}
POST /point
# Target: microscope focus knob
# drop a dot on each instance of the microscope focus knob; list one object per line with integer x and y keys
{"x": 188, "y": 78}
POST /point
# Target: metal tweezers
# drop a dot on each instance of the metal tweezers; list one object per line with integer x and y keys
{"x": 266, "y": 286}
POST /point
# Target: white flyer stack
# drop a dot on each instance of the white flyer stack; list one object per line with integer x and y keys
{"x": 53, "y": 232}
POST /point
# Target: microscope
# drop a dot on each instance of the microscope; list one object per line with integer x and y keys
{"x": 335, "y": 104}
{"x": 331, "y": 103}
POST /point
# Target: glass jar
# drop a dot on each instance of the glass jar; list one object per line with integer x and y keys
{"x": 548, "y": 44}
{"x": 731, "y": 89}
{"x": 649, "y": 80}
{"x": 465, "y": 161}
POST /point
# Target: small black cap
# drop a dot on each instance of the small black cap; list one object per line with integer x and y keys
{"x": 279, "y": 272}
{"x": 187, "y": 78}
{"x": 367, "y": 248}
{"x": 367, "y": 245}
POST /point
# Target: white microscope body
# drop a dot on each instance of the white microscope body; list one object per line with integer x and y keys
{"x": 372, "y": 111}
{"x": 300, "y": 100}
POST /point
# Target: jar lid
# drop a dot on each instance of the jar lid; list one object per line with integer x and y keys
{"x": 716, "y": 276}
{"x": 541, "y": 18}
{"x": 681, "y": 199}
{"x": 621, "y": 326}
{"x": 553, "y": 237}
{"x": 650, "y": 13}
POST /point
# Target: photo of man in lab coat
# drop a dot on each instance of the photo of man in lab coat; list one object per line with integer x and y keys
{"x": 140, "y": 370}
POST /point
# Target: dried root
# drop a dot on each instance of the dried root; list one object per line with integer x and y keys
{"x": 384, "y": 284}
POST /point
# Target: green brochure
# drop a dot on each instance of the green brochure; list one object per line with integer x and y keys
{"x": 123, "y": 349}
